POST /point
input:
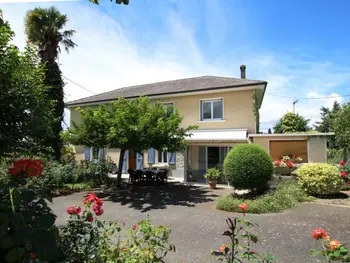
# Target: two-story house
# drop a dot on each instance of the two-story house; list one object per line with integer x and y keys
{"x": 223, "y": 109}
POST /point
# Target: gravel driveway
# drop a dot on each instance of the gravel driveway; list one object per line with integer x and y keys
{"x": 197, "y": 227}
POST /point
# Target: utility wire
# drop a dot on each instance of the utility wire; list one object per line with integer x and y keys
{"x": 79, "y": 85}
{"x": 307, "y": 98}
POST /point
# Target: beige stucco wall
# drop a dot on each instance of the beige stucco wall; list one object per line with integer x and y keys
{"x": 316, "y": 145}
{"x": 317, "y": 149}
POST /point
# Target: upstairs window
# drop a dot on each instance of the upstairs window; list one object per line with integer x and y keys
{"x": 168, "y": 106}
{"x": 162, "y": 156}
{"x": 211, "y": 110}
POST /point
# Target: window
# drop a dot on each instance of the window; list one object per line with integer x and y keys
{"x": 211, "y": 110}
{"x": 95, "y": 153}
{"x": 167, "y": 106}
{"x": 162, "y": 156}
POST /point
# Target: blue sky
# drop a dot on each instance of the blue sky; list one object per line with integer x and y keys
{"x": 302, "y": 48}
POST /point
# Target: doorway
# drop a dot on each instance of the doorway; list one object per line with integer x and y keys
{"x": 213, "y": 160}
{"x": 132, "y": 159}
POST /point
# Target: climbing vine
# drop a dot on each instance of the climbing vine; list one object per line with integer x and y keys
{"x": 256, "y": 112}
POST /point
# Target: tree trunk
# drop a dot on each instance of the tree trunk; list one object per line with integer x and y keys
{"x": 120, "y": 166}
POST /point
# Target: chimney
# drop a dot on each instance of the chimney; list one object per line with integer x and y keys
{"x": 243, "y": 67}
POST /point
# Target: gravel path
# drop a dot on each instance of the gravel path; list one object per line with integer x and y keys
{"x": 197, "y": 227}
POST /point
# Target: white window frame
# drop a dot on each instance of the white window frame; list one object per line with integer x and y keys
{"x": 162, "y": 155}
{"x": 92, "y": 154}
{"x": 212, "y": 109}
{"x": 166, "y": 104}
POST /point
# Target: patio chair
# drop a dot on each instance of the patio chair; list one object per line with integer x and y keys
{"x": 150, "y": 176}
{"x": 132, "y": 175}
{"x": 140, "y": 176}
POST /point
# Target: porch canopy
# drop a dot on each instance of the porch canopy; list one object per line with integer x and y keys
{"x": 219, "y": 135}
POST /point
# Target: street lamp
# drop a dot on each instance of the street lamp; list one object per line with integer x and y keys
{"x": 294, "y": 102}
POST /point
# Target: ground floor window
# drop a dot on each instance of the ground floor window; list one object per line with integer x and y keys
{"x": 95, "y": 153}
{"x": 162, "y": 156}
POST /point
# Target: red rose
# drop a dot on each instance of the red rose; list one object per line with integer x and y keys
{"x": 90, "y": 198}
{"x": 27, "y": 167}
{"x": 319, "y": 234}
{"x": 134, "y": 227}
{"x": 289, "y": 164}
{"x": 243, "y": 206}
{"x": 98, "y": 202}
{"x": 32, "y": 256}
{"x": 98, "y": 210}
{"x": 342, "y": 163}
{"x": 90, "y": 218}
{"x": 277, "y": 163}
{"x": 344, "y": 174}
{"x": 70, "y": 210}
{"x": 77, "y": 210}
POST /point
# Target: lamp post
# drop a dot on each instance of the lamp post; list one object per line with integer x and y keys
{"x": 294, "y": 102}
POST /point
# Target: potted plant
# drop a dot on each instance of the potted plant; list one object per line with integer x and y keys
{"x": 212, "y": 176}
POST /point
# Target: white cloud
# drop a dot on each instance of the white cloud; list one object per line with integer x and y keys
{"x": 108, "y": 57}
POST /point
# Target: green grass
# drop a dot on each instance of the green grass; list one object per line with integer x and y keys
{"x": 285, "y": 196}
{"x": 78, "y": 186}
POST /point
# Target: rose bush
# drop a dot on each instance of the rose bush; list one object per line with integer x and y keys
{"x": 344, "y": 169}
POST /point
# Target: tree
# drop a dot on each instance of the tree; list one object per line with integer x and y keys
{"x": 342, "y": 129}
{"x": 291, "y": 122}
{"x": 327, "y": 123}
{"x": 44, "y": 29}
{"x": 125, "y": 2}
{"x": 130, "y": 124}
{"x": 24, "y": 112}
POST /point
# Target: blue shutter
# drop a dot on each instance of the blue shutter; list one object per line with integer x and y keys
{"x": 139, "y": 161}
{"x": 87, "y": 154}
{"x": 124, "y": 162}
{"x": 171, "y": 158}
{"x": 100, "y": 155}
{"x": 151, "y": 154}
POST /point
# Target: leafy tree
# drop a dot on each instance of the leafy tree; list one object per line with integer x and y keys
{"x": 291, "y": 122}
{"x": 44, "y": 29}
{"x": 327, "y": 123}
{"x": 125, "y": 2}
{"x": 130, "y": 124}
{"x": 24, "y": 111}
{"x": 342, "y": 129}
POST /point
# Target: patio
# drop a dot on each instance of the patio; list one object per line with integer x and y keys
{"x": 198, "y": 227}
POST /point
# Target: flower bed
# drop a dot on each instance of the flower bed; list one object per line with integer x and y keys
{"x": 287, "y": 164}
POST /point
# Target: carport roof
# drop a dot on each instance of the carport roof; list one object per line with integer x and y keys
{"x": 292, "y": 134}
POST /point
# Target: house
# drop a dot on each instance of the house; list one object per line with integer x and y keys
{"x": 223, "y": 109}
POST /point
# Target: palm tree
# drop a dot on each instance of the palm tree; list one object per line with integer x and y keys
{"x": 44, "y": 29}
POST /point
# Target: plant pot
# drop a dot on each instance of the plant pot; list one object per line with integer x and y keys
{"x": 284, "y": 170}
{"x": 212, "y": 183}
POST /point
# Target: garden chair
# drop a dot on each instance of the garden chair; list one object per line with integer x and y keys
{"x": 132, "y": 175}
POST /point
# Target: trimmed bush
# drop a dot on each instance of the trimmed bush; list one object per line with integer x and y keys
{"x": 319, "y": 178}
{"x": 248, "y": 166}
{"x": 287, "y": 195}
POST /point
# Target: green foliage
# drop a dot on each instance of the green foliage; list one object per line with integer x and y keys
{"x": 27, "y": 224}
{"x": 212, "y": 174}
{"x": 342, "y": 129}
{"x": 57, "y": 174}
{"x": 248, "y": 166}
{"x": 129, "y": 124}
{"x": 68, "y": 154}
{"x": 290, "y": 123}
{"x": 25, "y": 112}
{"x": 286, "y": 196}
{"x": 319, "y": 178}
{"x": 44, "y": 30}
{"x": 242, "y": 239}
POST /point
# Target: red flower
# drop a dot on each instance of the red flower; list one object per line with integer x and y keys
{"x": 90, "y": 198}
{"x": 77, "y": 210}
{"x": 98, "y": 210}
{"x": 32, "y": 256}
{"x": 334, "y": 244}
{"x": 277, "y": 163}
{"x": 89, "y": 217}
{"x": 98, "y": 202}
{"x": 73, "y": 210}
{"x": 26, "y": 167}
{"x": 344, "y": 174}
{"x": 289, "y": 164}
{"x": 124, "y": 249}
{"x": 134, "y": 227}
{"x": 222, "y": 249}
{"x": 319, "y": 234}
{"x": 243, "y": 206}
{"x": 342, "y": 163}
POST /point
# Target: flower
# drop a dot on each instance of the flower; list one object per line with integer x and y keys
{"x": 98, "y": 202}
{"x": 90, "y": 198}
{"x": 90, "y": 218}
{"x": 333, "y": 244}
{"x": 27, "y": 167}
{"x": 98, "y": 210}
{"x": 223, "y": 248}
{"x": 73, "y": 210}
{"x": 344, "y": 174}
{"x": 319, "y": 234}
{"x": 277, "y": 163}
{"x": 342, "y": 163}
{"x": 124, "y": 249}
{"x": 32, "y": 256}
{"x": 289, "y": 164}
{"x": 134, "y": 227}
{"x": 243, "y": 206}
{"x": 327, "y": 237}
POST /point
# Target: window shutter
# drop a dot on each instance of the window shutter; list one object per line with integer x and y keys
{"x": 151, "y": 154}
{"x": 172, "y": 158}
{"x": 100, "y": 154}
{"x": 87, "y": 154}
{"x": 139, "y": 160}
{"x": 201, "y": 111}
{"x": 124, "y": 162}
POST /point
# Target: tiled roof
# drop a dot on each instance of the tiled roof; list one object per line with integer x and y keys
{"x": 169, "y": 87}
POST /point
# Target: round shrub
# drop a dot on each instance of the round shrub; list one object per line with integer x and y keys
{"x": 248, "y": 166}
{"x": 319, "y": 178}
